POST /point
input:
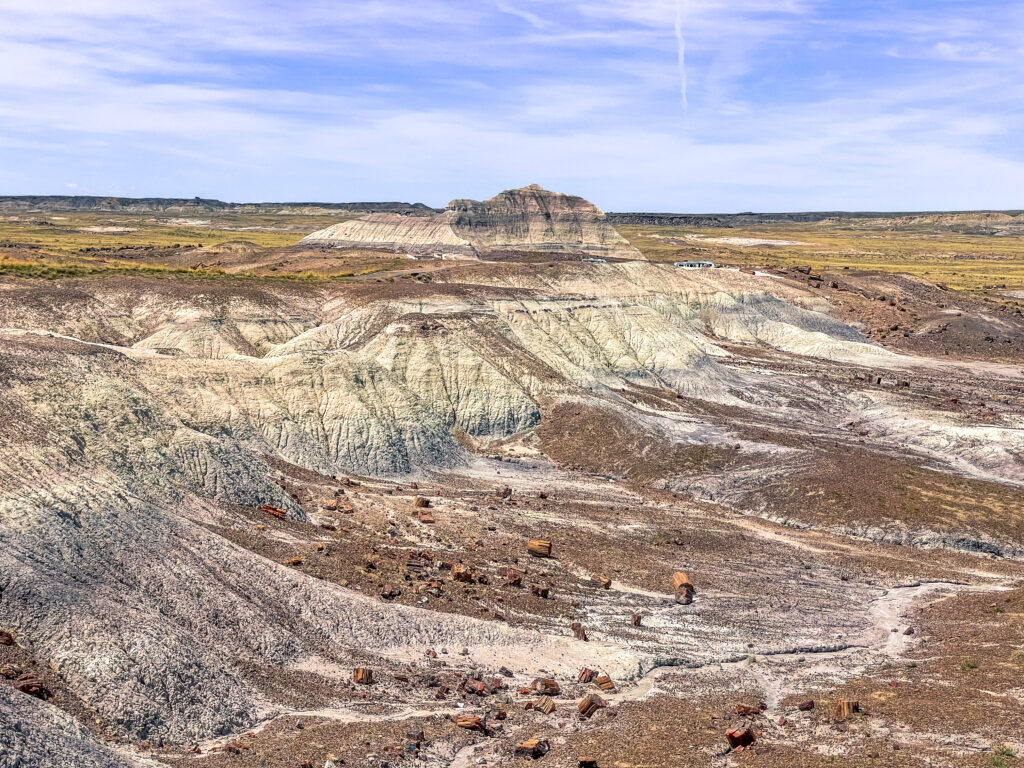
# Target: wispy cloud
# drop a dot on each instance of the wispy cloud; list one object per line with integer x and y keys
{"x": 791, "y": 104}
{"x": 682, "y": 7}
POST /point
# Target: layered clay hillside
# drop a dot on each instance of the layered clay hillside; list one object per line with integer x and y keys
{"x": 530, "y": 219}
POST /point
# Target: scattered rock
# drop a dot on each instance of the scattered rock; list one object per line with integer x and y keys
{"x": 533, "y": 748}
{"x": 578, "y": 630}
{"x": 425, "y": 516}
{"x": 512, "y": 577}
{"x": 747, "y": 711}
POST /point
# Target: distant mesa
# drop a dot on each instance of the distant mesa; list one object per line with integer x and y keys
{"x": 192, "y": 205}
{"x": 517, "y": 221}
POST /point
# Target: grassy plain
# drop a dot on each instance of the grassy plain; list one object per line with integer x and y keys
{"x": 240, "y": 245}
{"x": 59, "y": 244}
{"x": 936, "y": 254}
{"x": 71, "y": 232}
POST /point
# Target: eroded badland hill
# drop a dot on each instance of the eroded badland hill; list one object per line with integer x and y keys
{"x": 502, "y": 485}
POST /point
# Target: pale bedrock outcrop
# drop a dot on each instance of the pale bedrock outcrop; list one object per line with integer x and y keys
{"x": 71, "y": 312}
{"x": 223, "y": 337}
{"x": 705, "y": 305}
{"x": 391, "y": 231}
{"x": 37, "y": 734}
{"x": 329, "y": 412}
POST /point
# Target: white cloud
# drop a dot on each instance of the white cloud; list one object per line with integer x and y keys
{"x": 790, "y": 106}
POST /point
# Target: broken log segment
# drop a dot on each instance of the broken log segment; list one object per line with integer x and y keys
{"x": 272, "y": 510}
{"x": 534, "y": 748}
{"x": 544, "y": 704}
{"x": 469, "y": 722}
{"x": 681, "y": 579}
{"x": 362, "y": 676}
{"x": 539, "y": 548}
{"x": 604, "y": 683}
{"x": 9, "y": 671}
{"x": 739, "y": 737}
{"x": 32, "y": 685}
{"x": 578, "y": 630}
{"x": 845, "y": 708}
{"x": 601, "y": 581}
{"x": 589, "y": 704}
{"x": 546, "y": 686}
{"x": 683, "y": 587}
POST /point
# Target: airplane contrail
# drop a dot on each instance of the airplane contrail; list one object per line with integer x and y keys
{"x": 682, "y": 6}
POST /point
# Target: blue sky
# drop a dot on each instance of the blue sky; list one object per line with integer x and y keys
{"x": 675, "y": 105}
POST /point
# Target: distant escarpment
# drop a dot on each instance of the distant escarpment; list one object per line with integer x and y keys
{"x": 64, "y": 203}
{"x": 531, "y": 220}
{"x": 966, "y": 222}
